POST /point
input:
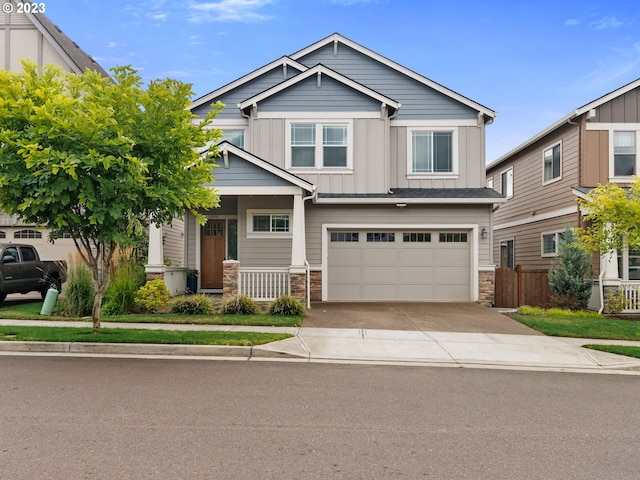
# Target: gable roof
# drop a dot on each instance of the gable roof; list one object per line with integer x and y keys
{"x": 225, "y": 147}
{"x": 320, "y": 70}
{"x": 77, "y": 58}
{"x": 336, "y": 38}
{"x": 283, "y": 62}
{"x": 567, "y": 118}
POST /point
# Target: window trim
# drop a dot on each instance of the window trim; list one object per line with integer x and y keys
{"x": 319, "y": 123}
{"x": 270, "y": 211}
{"x": 612, "y": 164}
{"x": 510, "y": 169}
{"x": 557, "y": 234}
{"x": 455, "y": 169}
{"x": 244, "y": 129}
{"x": 544, "y": 151}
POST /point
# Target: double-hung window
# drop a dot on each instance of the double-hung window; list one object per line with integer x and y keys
{"x": 431, "y": 152}
{"x": 552, "y": 163}
{"x": 624, "y": 154}
{"x": 319, "y": 145}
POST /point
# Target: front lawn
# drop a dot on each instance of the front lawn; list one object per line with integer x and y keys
{"x": 122, "y": 335}
{"x": 617, "y": 349}
{"x": 31, "y": 311}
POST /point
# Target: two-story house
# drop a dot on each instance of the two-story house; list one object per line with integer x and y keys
{"x": 542, "y": 179}
{"x": 345, "y": 176}
{"x": 29, "y": 34}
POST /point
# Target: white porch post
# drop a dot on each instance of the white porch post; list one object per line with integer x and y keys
{"x": 155, "y": 266}
{"x": 609, "y": 264}
{"x": 298, "y": 248}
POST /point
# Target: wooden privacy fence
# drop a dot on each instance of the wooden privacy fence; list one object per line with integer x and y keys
{"x": 514, "y": 288}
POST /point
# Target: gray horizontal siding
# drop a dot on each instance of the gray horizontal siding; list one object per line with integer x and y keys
{"x": 232, "y": 98}
{"x": 330, "y": 96}
{"x": 390, "y": 214}
{"x": 243, "y": 173}
{"x": 418, "y": 101}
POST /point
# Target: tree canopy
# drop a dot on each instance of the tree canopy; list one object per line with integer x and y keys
{"x": 101, "y": 158}
{"x": 613, "y": 216}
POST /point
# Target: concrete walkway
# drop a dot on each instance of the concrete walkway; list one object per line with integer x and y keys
{"x": 368, "y": 346}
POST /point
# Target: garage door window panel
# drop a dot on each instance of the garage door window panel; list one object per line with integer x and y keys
{"x": 381, "y": 237}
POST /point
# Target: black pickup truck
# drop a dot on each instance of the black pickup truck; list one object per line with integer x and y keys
{"x": 22, "y": 271}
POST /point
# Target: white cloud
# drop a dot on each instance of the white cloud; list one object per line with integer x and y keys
{"x": 572, "y": 22}
{"x": 159, "y": 16}
{"x": 606, "y": 22}
{"x": 115, "y": 45}
{"x": 229, "y": 11}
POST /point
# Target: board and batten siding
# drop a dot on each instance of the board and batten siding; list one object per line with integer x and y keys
{"x": 369, "y": 147}
{"x": 418, "y": 100}
{"x": 353, "y": 215}
{"x": 173, "y": 238}
{"x": 622, "y": 109}
{"x": 530, "y": 196}
{"x": 470, "y": 149}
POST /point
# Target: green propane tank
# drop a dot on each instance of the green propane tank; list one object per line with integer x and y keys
{"x": 49, "y": 301}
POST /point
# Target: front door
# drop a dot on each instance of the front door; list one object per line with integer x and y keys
{"x": 213, "y": 245}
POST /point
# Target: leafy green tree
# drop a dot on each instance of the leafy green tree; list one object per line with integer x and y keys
{"x": 101, "y": 158}
{"x": 571, "y": 275}
{"x": 613, "y": 216}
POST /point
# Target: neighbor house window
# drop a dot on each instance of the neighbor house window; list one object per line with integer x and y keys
{"x": 624, "y": 154}
{"x": 552, "y": 163}
{"x": 27, "y": 234}
{"x": 507, "y": 183}
{"x": 234, "y": 137}
{"x": 506, "y": 254}
{"x": 431, "y": 152}
{"x": 3, "y": 235}
{"x": 269, "y": 223}
{"x": 550, "y": 243}
{"x": 319, "y": 145}
{"x": 490, "y": 182}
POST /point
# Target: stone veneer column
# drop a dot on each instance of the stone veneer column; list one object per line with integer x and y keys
{"x": 298, "y": 283}
{"x": 230, "y": 279}
{"x": 486, "y": 288}
{"x": 316, "y": 286}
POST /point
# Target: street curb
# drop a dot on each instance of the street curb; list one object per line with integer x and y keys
{"x": 140, "y": 349}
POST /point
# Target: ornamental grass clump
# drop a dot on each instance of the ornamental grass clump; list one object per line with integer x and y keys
{"x": 192, "y": 305}
{"x": 241, "y": 305}
{"x": 286, "y": 305}
{"x": 79, "y": 292}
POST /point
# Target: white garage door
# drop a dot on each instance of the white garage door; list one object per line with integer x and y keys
{"x": 399, "y": 265}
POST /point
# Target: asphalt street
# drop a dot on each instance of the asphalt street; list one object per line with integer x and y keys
{"x": 106, "y": 418}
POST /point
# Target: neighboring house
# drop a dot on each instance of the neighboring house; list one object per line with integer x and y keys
{"x": 596, "y": 144}
{"x": 345, "y": 176}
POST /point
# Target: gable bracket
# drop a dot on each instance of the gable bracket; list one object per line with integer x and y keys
{"x": 319, "y": 80}
{"x": 225, "y": 155}
{"x": 335, "y": 47}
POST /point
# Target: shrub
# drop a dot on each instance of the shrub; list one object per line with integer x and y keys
{"x": 153, "y": 296}
{"x": 192, "y": 305}
{"x": 286, "y": 305}
{"x": 79, "y": 293}
{"x": 571, "y": 275}
{"x": 241, "y": 305}
{"x": 127, "y": 278}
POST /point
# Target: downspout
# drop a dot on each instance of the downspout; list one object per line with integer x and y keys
{"x": 387, "y": 172}
{"x": 306, "y": 261}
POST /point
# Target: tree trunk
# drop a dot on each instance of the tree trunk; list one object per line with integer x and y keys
{"x": 95, "y": 312}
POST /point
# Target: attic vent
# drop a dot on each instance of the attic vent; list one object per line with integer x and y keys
{"x": 335, "y": 48}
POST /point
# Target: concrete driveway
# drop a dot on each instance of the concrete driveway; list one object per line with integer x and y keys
{"x": 423, "y": 316}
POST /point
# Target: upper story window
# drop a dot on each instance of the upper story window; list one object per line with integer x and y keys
{"x": 552, "y": 163}
{"x": 506, "y": 178}
{"x": 624, "y": 154}
{"x": 234, "y": 137}
{"x": 431, "y": 152}
{"x": 319, "y": 145}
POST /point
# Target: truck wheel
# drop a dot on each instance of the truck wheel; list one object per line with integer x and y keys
{"x": 2, "y": 297}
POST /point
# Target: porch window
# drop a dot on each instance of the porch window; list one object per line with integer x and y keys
{"x": 629, "y": 264}
{"x": 268, "y": 223}
{"x": 624, "y": 154}
{"x": 552, "y": 163}
{"x": 431, "y": 152}
{"x": 319, "y": 145}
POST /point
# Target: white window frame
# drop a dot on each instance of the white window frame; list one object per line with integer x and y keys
{"x": 544, "y": 151}
{"x": 270, "y": 211}
{"x": 557, "y": 234}
{"x": 454, "y": 173}
{"x": 244, "y": 129}
{"x": 319, "y": 123}
{"x": 618, "y": 127}
{"x": 490, "y": 182}
{"x": 506, "y": 172}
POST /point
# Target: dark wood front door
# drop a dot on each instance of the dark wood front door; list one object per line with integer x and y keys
{"x": 213, "y": 248}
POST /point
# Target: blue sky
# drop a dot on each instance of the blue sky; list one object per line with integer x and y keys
{"x": 533, "y": 62}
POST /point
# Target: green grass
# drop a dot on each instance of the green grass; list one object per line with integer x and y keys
{"x": 617, "y": 349}
{"x": 31, "y": 311}
{"x": 121, "y": 335}
{"x": 566, "y": 323}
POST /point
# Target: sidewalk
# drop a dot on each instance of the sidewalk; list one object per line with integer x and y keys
{"x": 364, "y": 346}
